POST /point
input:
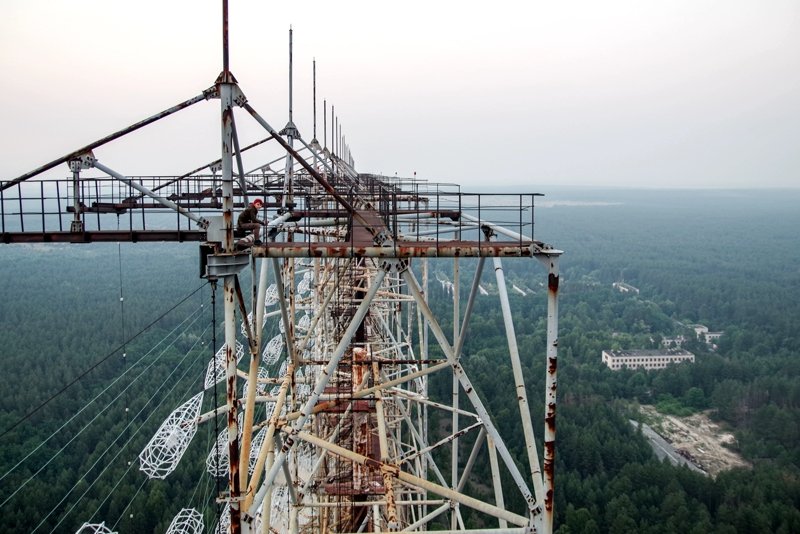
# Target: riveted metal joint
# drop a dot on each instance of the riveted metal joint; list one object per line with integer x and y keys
{"x": 394, "y": 265}
{"x": 238, "y": 97}
{"x": 84, "y": 161}
{"x": 380, "y": 238}
{"x": 211, "y": 92}
{"x": 291, "y": 130}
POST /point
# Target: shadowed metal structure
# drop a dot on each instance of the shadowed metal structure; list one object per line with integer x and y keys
{"x": 328, "y": 422}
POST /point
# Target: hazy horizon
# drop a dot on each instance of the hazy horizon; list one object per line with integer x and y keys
{"x": 613, "y": 94}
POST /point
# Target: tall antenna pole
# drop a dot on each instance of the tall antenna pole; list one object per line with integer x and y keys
{"x": 333, "y": 137}
{"x": 290, "y": 74}
{"x": 225, "y": 61}
{"x": 314, "y": 84}
{"x": 291, "y": 133}
{"x": 325, "y": 123}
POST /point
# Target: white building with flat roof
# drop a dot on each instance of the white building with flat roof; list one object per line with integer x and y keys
{"x": 645, "y": 359}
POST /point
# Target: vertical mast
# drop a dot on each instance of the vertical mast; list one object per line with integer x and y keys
{"x": 290, "y": 74}
{"x": 226, "y": 87}
{"x": 291, "y": 133}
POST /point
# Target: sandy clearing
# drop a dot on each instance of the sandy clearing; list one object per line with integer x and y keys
{"x": 701, "y": 440}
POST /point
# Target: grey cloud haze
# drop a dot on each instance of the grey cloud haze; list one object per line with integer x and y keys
{"x": 654, "y": 94}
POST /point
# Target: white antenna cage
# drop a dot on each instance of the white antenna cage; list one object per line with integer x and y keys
{"x": 162, "y": 454}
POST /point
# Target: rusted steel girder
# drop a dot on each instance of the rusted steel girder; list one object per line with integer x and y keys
{"x": 344, "y": 249}
{"x": 125, "y": 236}
{"x": 415, "y": 481}
{"x": 232, "y": 402}
{"x": 550, "y": 393}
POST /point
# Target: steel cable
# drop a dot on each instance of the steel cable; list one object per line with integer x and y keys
{"x": 94, "y": 366}
{"x": 81, "y": 411}
{"x": 128, "y": 441}
{"x": 152, "y": 413}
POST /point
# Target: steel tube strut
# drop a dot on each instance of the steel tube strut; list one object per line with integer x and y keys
{"x": 426, "y": 519}
{"x": 459, "y": 340}
{"x": 208, "y": 165}
{"x": 250, "y": 394}
{"x": 455, "y": 383}
{"x": 422, "y": 442}
{"x": 267, "y": 445}
{"x": 237, "y": 153}
{"x": 205, "y": 95}
{"x": 496, "y": 483}
{"x": 476, "y": 447}
{"x": 519, "y": 384}
{"x": 288, "y": 323}
{"x": 231, "y": 401}
{"x": 202, "y": 222}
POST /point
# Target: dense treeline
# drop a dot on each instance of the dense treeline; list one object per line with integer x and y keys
{"x": 67, "y": 312}
{"x": 727, "y": 260}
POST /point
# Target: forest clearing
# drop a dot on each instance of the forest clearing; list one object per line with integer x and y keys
{"x": 697, "y": 438}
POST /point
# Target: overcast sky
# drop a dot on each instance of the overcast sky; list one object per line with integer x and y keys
{"x": 681, "y": 93}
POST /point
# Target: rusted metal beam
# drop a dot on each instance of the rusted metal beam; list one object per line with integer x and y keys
{"x": 201, "y": 221}
{"x": 92, "y": 236}
{"x": 550, "y": 394}
{"x": 252, "y": 386}
{"x": 288, "y": 324}
{"x": 343, "y": 249}
{"x": 388, "y": 479}
{"x": 416, "y": 481}
{"x": 231, "y": 400}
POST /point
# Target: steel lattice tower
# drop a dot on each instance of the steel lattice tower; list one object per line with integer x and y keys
{"x": 327, "y": 362}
